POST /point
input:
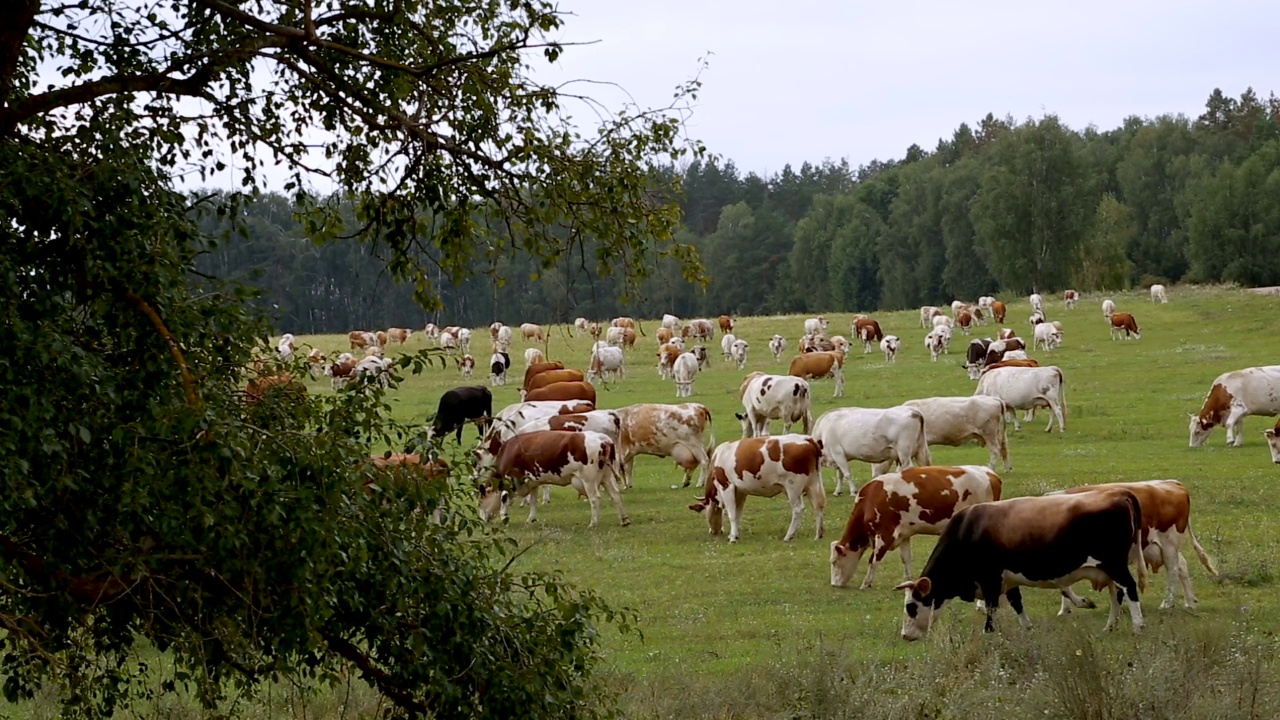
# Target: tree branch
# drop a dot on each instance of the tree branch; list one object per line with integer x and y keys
{"x": 174, "y": 349}
{"x": 378, "y": 677}
{"x": 16, "y": 17}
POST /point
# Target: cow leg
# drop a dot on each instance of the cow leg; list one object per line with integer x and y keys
{"x": 1188, "y": 595}
{"x": 991, "y": 590}
{"x": 532, "y": 498}
{"x": 591, "y": 486}
{"x": 1173, "y": 564}
{"x": 843, "y": 473}
{"x": 704, "y": 466}
{"x": 544, "y": 494}
{"x": 905, "y": 550}
{"x": 839, "y": 383}
{"x": 1015, "y": 601}
{"x": 1060, "y": 414}
{"x": 796, "y": 497}
{"x": 1070, "y": 599}
{"x": 818, "y": 503}
{"x": 611, "y": 487}
{"x": 878, "y": 551}
{"x": 629, "y": 471}
{"x": 734, "y": 509}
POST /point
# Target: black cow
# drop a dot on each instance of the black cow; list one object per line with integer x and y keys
{"x": 990, "y": 549}
{"x": 460, "y": 406}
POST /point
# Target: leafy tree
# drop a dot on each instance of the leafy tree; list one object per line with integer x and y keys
{"x": 1234, "y": 224}
{"x": 1151, "y": 176}
{"x": 1102, "y": 264}
{"x": 147, "y": 500}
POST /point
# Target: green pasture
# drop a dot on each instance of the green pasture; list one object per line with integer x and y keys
{"x": 709, "y": 609}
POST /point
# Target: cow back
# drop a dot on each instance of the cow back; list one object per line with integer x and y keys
{"x": 576, "y": 390}
{"x": 540, "y": 367}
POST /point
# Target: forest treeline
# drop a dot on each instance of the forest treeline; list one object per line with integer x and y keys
{"x": 1000, "y": 207}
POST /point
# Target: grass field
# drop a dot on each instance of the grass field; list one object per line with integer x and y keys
{"x": 712, "y": 612}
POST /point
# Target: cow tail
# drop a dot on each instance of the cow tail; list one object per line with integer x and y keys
{"x": 1062, "y": 396}
{"x": 1135, "y": 550}
{"x": 710, "y": 442}
{"x": 921, "y": 452}
{"x": 1205, "y": 560}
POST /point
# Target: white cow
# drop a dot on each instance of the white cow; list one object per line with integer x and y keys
{"x": 1234, "y": 396}
{"x": 739, "y": 353}
{"x": 765, "y": 467}
{"x": 511, "y": 418}
{"x": 938, "y": 341}
{"x": 1046, "y": 336}
{"x": 464, "y": 340}
{"x": 504, "y": 339}
{"x": 285, "y": 347}
{"x": 956, "y": 305}
{"x": 684, "y": 369}
{"x": 880, "y": 436}
{"x": 449, "y": 343}
{"x": 533, "y": 355}
{"x": 1023, "y": 388}
{"x": 767, "y": 397}
{"x": 815, "y": 326}
{"x": 606, "y": 363}
{"x": 1108, "y": 308}
{"x": 377, "y": 368}
{"x": 889, "y": 346}
{"x": 671, "y": 322}
{"x": 432, "y": 333}
{"x": 614, "y": 335}
{"x": 955, "y": 421}
{"x": 1037, "y": 303}
{"x": 726, "y": 345}
{"x": 777, "y": 346}
{"x": 943, "y": 320}
{"x": 1158, "y": 293}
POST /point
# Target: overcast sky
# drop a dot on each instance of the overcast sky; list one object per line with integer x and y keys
{"x": 814, "y": 79}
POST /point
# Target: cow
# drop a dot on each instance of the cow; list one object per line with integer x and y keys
{"x": 667, "y": 355}
{"x": 763, "y": 466}
{"x": 580, "y": 324}
{"x": 938, "y": 341}
{"x": 381, "y": 338}
{"x": 503, "y": 340}
{"x": 1027, "y": 388}
{"x": 868, "y": 331}
{"x": 628, "y": 338}
{"x": 943, "y": 321}
{"x": 284, "y": 348}
{"x": 613, "y": 336}
{"x": 531, "y": 331}
{"x": 777, "y": 345}
{"x": 767, "y": 397}
{"x": 570, "y": 390}
{"x": 594, "y": 330}
{"x": 976, "y": 356}
{"x": 1158, "y": 293}
{"x": 998, "y": 311}
{"x": 738, "y": 353}
{"x": 820, "y": 365}
{"x": 466, "y": 364}
{"x": 623, "y": 322}
{"x": 585, "y": 460}
{"x": 1108, "y": 308}
{"x": 342, "y": 370}
{"x": 537, "y": 368}
{"x": 464, "y": 340}
{"x": 956, "y": 305}
{"x": 839, "y": 343}
{"x": 607, "y": 363}
{"x": 726, "y": 343}
{"x": 681, "y": 432}
{"x": 604, "y": 422}
{"x": 991, "y": 549}
{"x": 955, "y": 421}
{"x": 399, "y": 335}
{"x": 357, "y": 339}
{"x": 664, "y": 335}
{"x": 1037, "y": 303}
{"x": 498, "y": 364}
{"x": 448, "y": 342}
{"x": 1046, "y": 336}
{"x": 1124, "y": 323}
{"x": 670, "y": 322}
{"x": 432, "y": 332}
{"x": 315, "y": 361}
{"x": 1037, "y": 317}
{"x": 683, "y": 370}
{"x": 815, "y": 326}
{"x": 1013, "y": 358}
{"x": 459, "y": 406}
{"x": 1273, "y": 441}
{"x": 894, "y": 507}
{"x": 965, "y": 320}
{"x": 1166, "y": 522}
{"x": 700, "y": 352}
{"x": 726, "y": 323}
{"x": 927, "y": 314}
{"x": 698, "y": 330}
{"x": 1234, "y": 396}
{"x": 997, "y": 350}
{"x": 258, "y": 387}
{"x": 1006, "y": 334}
{"x": 533, "y": 356}
{"x": 516, "y": 415}
{"x": 494, "y": 327}
{"x": 880, "y": 436}
{"x": 1069, "y": 297}
{"x": 548, "y": 377}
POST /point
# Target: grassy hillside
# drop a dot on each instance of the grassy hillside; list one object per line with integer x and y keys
{"x": 710, "y": 610}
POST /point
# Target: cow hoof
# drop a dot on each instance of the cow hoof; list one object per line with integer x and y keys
{"x": 1089, "y": 604}
{"x": 1167, "y": 604}
{"x": 626, "y": 521}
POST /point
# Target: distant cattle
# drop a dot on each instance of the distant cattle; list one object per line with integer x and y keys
{"x": 820, "y": 365}
{"x": 927, "y": 314}
{"x": 1124, "y": 323}
{"x": 533, "y": 356}
{"x": 670, "y": 322}
{"x": 1158, "y": 293}
{"x": 580, "y": 324}
{"x": 530, "y": 331}
{"x": 1232, "y": 397}
{"x": 664, "y": 335}
{"x": 763, "y": 466}
{"x": 1108, "y": 308}
{"x": 1046, "y": 336}
{"x": 698, "y": 330}
{"x": 467, "y": 364}
{"x": 1069, "y": 297}
{"x": 726, "y": 342}
{"x": 738, "y": 353}
{"x": 1037, "y": 303}
{"x": 998, "y": 311}
{"x": 869, "y": 332}
{"x": 606, "y": 364}
{"x": 815, "y": 326}
{"x": 667, "y": 355}
{"x": 889, "y": 346}
{"x": 499, "y": 362}
{"x": 399, "y": 335}
{"x": 726, "y": 323}
{"x": 777, "y": 345}
{"x": 683, "y": 370}
{"x": 938, "y": 341}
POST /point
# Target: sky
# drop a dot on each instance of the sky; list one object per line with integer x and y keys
{"x": 808, "y": 80}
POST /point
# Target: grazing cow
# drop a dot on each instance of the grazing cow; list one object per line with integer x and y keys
{"x": 880, "y": 436}
{"x": 1070, "y": 297}
{"x": 683, "y": 370}
{"x": 1108, "y": 308}
{"x": 1037, "y": 318}
{"x": 448, "y": 342}
{"x": 623, "y": 322}
{"x": 726, "y": 323}
{"x": 494, "y": 327}
{"x": 533, "y": 356}
{"x": 504, "y": 339}
{"x": 1124, "y": 322}
{"x": 777, "y": 346}
{"x": 997, "y": 350}
{"x": 580, "y": 324}
{"x": 927, "y": 314}
{"x": 381, "y": 338}
{"x": 530, "y": 331}
{"x": 954, "y": 421}
{"x": 815, "y": 326}
{"x": 965, "y": 320}
{"x": 938, "y": 341}
{"x": 399, "y": 335}
{"x": 738, "y": 353}
{"x": 894, "y": 507}
{"x": 1273, "y": 441}
{"x": 986, "y": 301}
{"x": 464, "y": 340}
{"x": 342, "y": 370}
{"x": 1037, "y": 303}
{"x": 594, "y": 330}
{"x": 492, "y": 503}
{"x": 462, "y": 405}
{"x": 452, "y": 330}
{"x": 432, "y": 333}
{"x": 664, "y": 335}
{"x": 315, "y": 362}
{"x": 358, "y": 339}
{"x": 726, "y": 343}
{"x": 1166, "y": 522}
{"x": 257, "y": 388}
{"x": 820, "y": 365}
{"x": 698, "y": 330}
{"x": 1046, "y": 336}
{"x": 763, "y": 466}
{"x": 607, "y": 364}
{"x": 537, "y": 368}
{"x": 997, "y": 311}
{"x": 670, "y": 322}
{"x": 547, "y": 377}
{"x": 1027, "y": 388}
{"x": 888, "y": 346}
{"x": 1158, "y": 293}
{"x": 768, "y": 397}
{"x": 976, "y": 356}
{"x": 613, "y": 336}
{"x": 498, "y": 364}
{"x": 1006, "y": 334}
{"x": 585, "y": 460}
{"x": 1234, "y": 396}
{"x": 868, "y": 331}
{"x": 990, "y": 549}
{"x": 681, "y": 432}
{"x": 667, "y": 355}
{"x": 575, "y": 390}
{"x": 956, "y": 305}
{"x": 466, "y": 364}
{"x": 284, "y": 348}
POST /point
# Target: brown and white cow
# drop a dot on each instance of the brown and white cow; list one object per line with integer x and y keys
{"x": 1006, "y": 334}
{"x": 992, "y": 549}
{"x": 516, "y": 415}
{"x": 765, "y": 467}
{"x": 537, "y": 368}
{"x": 357, "y": 339}
{"x": 1166, "y": 523}
{"x": 664, "y": 335}
{"x": 342, "y": 370}
{"x": 700, "y": 329}
{"x": 1070, "y": 297}
{"x": 258, "y": 387}
{"x": 467, "y": 364}
{"x": 579, "y": 324}
{"x": 398, "y": 335}
{"x": 1124, "y": 323}
{"x": 820, "y": 365}
{"x": 667, "y": 355}
{"x": 681, "y": 432}
{"x": 965, "y": 320}
{"x": 585, "y": 460}
{"x": 927, "y": 314}
{"x": 894, "y": 507}
{"x": 726, "y": 323}
{"x": 1234, "y": 396}
{"x": 623, "y": 322}
{"x": 577, "y": 390}
{"x": 868, "y": 331}
{"x": 773, "y": 397}
{"x": 954, "y": 421}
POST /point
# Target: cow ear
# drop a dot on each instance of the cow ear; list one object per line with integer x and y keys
{"x": 923, "y": 586}
{"x": 907, "y": 585}
{"x": 840, "y": 549}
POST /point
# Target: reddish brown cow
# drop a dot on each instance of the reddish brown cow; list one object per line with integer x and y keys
{"x": 356, "y": 338}
{"x": 628, "y": 338}
{"x": 997, "y": 311}
{"x": 563, "y": 391}
{"x": 820, "y": 365}
{"x": 548, "y": 377}
{"x": 399, "y": 335}
{"x": 585, "y": 460}
{"x": 258, "y": 387}
{"x": 1124, "y": 322}
{"x": 867, "y": 330}
{"x": 664, "y": 335}
{"x": 539, "y": 367}
{"x": 964, "y": 319}
{"x": 726, "y": 324}
{"x": 1010, "y": 363}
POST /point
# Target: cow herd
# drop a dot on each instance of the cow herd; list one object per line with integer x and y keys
{"x": 988, "y": 547}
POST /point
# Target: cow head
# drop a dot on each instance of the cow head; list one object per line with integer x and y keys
{"x": 974, "y": 369}
{"x": 747, "y": 430}
{"x": 918, "y": 608}
{"x": 493, "y": 503}
{"x": 711, "y": 504}
{"x": 844, "y": 563}
{"x": 1273, "y": 440}
{"x": 1200, "y": 430}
